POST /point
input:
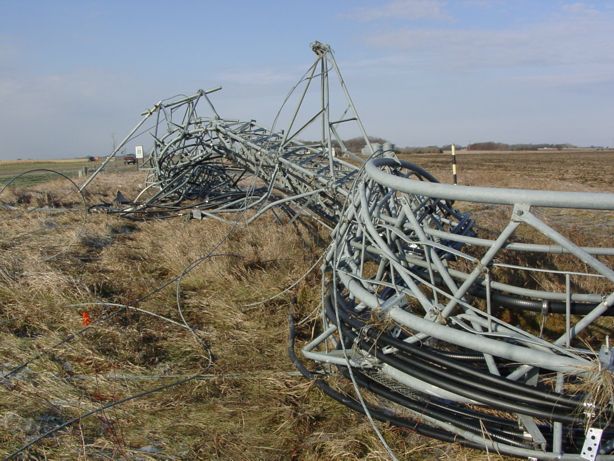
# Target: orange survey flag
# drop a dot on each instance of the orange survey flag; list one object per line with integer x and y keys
{"x": 85, "y": 318}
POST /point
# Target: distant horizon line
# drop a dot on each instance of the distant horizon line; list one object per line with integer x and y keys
{"x": 426, "y": 149}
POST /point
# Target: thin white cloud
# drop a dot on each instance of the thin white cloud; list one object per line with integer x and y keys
{"x": 41, "y": 92}
{"x": 8, "y": 53}
{"x": 402, "y": 9}
{"x": 483, "y": 3}
{"x": 551, "y": 74}
{"x": 46, "y": 113}
{"x": 567, "y": 79}
{"x": 572, "y": 38}
{"x": 8, "y": 87}
{"x": 581, "y": 9}
{"x": 256, "y": 76}
{"x": 377, "y": 63}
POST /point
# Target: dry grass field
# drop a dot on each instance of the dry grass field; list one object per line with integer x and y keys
{"x": 573, "y": 170}
{"x": 69, "y": 167}
{"x": 232, "y": 393}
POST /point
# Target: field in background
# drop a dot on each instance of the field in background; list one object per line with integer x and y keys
{"x": 247, "y": 402}
{"x": 579, "y": 170}
{"x": 68, "y": 167}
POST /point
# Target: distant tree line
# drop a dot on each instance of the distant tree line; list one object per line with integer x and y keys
{"x": 491, "y": 145}
{"x": 485, "y": 146}
{"x": 356, "y": 144}
{"x": 426, "y": 149}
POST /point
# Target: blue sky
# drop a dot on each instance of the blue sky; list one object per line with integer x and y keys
{"x": 73, "y": 74}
